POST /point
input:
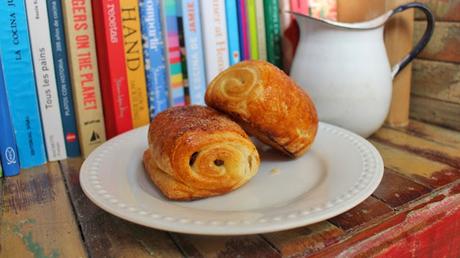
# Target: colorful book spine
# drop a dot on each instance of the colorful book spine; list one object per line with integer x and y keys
{"x": 273, "y": 32}
{"x": 56, "y": 24}
{"x": 261, "y": 39}
{"x": 81, "y": 50}
{"x": 243, "y": 30}
{"x": 172, "y": 53}
{"x": 232, "y": 29}
{"x": 252, "y": 29}
{"x": 154, "y": 56}
{"x": 194, "y": 49}
{"x": 42, "y": 56}
{"x": 214, "y": 27}
{"x": 300, "y": 6}
{"x": 8, "y": 147}
{"x": 134, "y": 59}
{"x": 183, "y": 52}
{"x": 20, "y": 84}
{"x": 290, "y": 34}
{"x": 112, "y": 68}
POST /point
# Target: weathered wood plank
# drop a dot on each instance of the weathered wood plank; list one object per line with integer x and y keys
{"x": 443, "y": 10}
{"x": 37, "y": 216}
{"x": 108, "y": 236}
{"x": 425, "y": 148}
{"x": 437, "y": 80}
{"x": 396, "y": 190}
{"x": 429, "y": 229}
{"x": 305, "y": 240}
{"x": 433, "y": 133}
{"x": 431, "y": 173}
{"x": 225, "y": 246}
{"x": 364, "y": 213}
{"x": 434, "y": 111}
{"x": 444, "y": 44}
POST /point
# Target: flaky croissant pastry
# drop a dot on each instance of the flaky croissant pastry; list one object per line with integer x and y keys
{"x": 196, "y": 152}
{"x": 267, "y": 103}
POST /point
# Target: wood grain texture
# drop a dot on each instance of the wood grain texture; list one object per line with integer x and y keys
{"x": 429, "y": 229}
{"x": 305, "y": 240}
{"x": 364, "y": 213}
{"x": 422, "y": 170}
{"x": 108, "y": 236}
{"x": 433, "y": 133}
{"x": 422, "y": 147}
{"x": 434, "y": 111}
{"x": 37, "y": 218}
{"x": 436, "y": 80}
{"x": 443, "y": 10}
{"x": 396, "y": 190}
{"x": 444, "y": 44}
{"x": 225, "y": 246}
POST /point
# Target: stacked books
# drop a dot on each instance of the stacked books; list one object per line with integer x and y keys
{"x": 75, "y": 73}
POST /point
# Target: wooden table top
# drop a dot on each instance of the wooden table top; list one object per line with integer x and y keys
{"x": 414, "y": 212}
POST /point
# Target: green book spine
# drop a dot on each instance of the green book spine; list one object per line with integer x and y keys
{"x": 252, "y": 25}
{"x": 273, "y": 32}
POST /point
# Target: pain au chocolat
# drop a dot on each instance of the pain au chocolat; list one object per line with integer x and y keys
{"x": 196, "y": 152}
{"x": 267, "y": 103}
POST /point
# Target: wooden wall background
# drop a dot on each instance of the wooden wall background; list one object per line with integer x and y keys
{"x": 435, "y": 94}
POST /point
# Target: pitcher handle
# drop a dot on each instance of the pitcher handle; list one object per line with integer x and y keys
{"x": 423, "y": 41}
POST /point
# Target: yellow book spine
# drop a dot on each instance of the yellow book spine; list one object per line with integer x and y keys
{"x": 78, "y": 24}
{"x": 134, "y": 57}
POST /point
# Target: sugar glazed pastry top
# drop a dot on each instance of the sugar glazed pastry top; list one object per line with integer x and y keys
{"x": 267, "y": 103}
{"x": 196, "y": 152}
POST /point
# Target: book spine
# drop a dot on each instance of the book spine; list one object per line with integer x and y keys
{"x": 20, "y": 84}
{"x": 273, "y": 32}
{"x": 215, "y": 37}
{"x": 134, "y": 60}
{"x": 243, "y": 30}
{"x": 112, "y": 68}
{"x": 61, "y": 70}
{"x": 172, "y": 53}
{"x": 261, "y": 39}
{"x": 232, "y": 29}
{"x": 154, "y": 56}
{"x": 45, "y": 79}
{"x": 81, "y": 50}
{"x": 300, "y": 6}
{"x": 194, "y": 49}
{"x": 252, "y": 29}
{"x": 8, "y": 147}
{"x": 290, "y": 34}
{"x": 183, "y": 52}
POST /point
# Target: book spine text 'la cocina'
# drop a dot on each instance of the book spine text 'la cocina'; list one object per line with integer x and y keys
{"x": 45, "y": 79}
{"x": 56, "y": 24}
{"x": 78, "y": 20}
{"x": 20, "y": 83}
{"x": 154, "y": 56}
{"x": 112, "y": 68}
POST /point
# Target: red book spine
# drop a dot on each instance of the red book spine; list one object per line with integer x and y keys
{"x": 112, "y": 67}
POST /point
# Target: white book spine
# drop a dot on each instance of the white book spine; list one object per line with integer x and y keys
{"x": 262, "y": 43}
{"x": 45, "y": 80}
{"x": 215, "y": 41}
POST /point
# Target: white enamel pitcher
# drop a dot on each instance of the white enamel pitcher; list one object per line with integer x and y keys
{"x": 345, "y": 69}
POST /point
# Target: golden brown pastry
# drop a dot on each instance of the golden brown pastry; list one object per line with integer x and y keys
{"x": 196, "y": 152}
{"x": 267, "y": 103}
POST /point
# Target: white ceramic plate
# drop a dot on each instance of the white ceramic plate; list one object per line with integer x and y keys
{"x": 340, "y": 171}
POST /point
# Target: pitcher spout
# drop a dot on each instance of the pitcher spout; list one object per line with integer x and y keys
{"x": 366, "y": 25}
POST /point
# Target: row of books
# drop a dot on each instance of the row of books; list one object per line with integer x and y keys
{"x": 75, "y": 73}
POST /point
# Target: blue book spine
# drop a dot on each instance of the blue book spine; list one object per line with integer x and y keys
{"x": 154, "y": 55}
{"x": 58, "y": 46}
{"x": 231, "y": 9}
{"x": 8, "y": 147}
{"x": 194, "y": 49}
{"x": 20, "y": 83}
